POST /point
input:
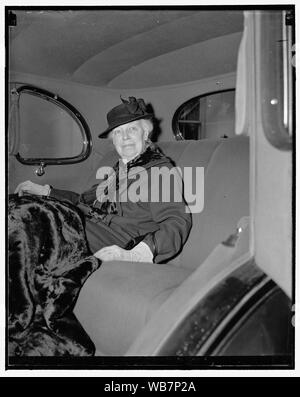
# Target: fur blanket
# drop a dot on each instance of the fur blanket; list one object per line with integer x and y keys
{"x": 48, "y": 262}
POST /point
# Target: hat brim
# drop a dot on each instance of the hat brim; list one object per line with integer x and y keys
{"x": 118, "y": 123}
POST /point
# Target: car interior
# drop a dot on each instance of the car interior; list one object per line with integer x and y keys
{"x": 195, "y": 68}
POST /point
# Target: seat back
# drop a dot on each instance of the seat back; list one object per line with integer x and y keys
{"x": 226, "y": 193}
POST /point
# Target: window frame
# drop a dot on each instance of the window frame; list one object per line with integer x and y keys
{"x": 175, "y": 128}
{"x": 76, "y": 116}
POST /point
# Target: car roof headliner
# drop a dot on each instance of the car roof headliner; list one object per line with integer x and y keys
{"x": 114, "y": 47}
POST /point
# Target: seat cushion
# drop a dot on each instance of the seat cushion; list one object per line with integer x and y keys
{"x": 120, "y": 297}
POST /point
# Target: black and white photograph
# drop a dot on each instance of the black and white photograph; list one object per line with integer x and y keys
{"x": 150, "y": 187}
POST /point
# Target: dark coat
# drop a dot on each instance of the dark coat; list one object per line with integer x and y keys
{"x": 163, "y": 225}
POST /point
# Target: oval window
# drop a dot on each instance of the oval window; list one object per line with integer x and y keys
{"x": 46, "y": 130}
{"x": 50, "y": 130}
{"x": 207, "y": 116}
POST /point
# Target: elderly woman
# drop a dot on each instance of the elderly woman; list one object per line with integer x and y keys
{"x": 150, "y": 230}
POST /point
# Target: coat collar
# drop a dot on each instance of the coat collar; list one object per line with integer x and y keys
{"x": 150, "y": 157}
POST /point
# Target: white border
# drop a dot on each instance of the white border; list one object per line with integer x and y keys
{"x": 129, "y": 373}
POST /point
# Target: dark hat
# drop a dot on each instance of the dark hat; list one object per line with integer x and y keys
{"x": 131, "y": 110}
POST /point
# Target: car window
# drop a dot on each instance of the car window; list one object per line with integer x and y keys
{"x": 49, "y": 130}
{"x": 206, "y": 116}
{"x": 46, "y": 130}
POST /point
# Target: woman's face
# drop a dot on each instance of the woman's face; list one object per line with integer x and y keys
{"x": 129, "y": 139}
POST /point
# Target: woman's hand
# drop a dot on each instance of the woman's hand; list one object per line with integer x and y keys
{"x": 113, "y": 252}
{"x": 32, "y": 188}
{"x": 140, "y": 253}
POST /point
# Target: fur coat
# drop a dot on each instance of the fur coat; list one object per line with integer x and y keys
{"x": 48, "y": 262}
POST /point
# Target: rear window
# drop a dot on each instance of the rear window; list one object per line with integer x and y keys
{"x": 208, "y": 116}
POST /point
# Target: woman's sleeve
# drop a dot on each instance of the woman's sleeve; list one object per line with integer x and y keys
{"x": 174, "y": 221}
{"x": 174, "y": 228}
{"x": 65, "y": 195}
{"x": 87, "y": 197}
